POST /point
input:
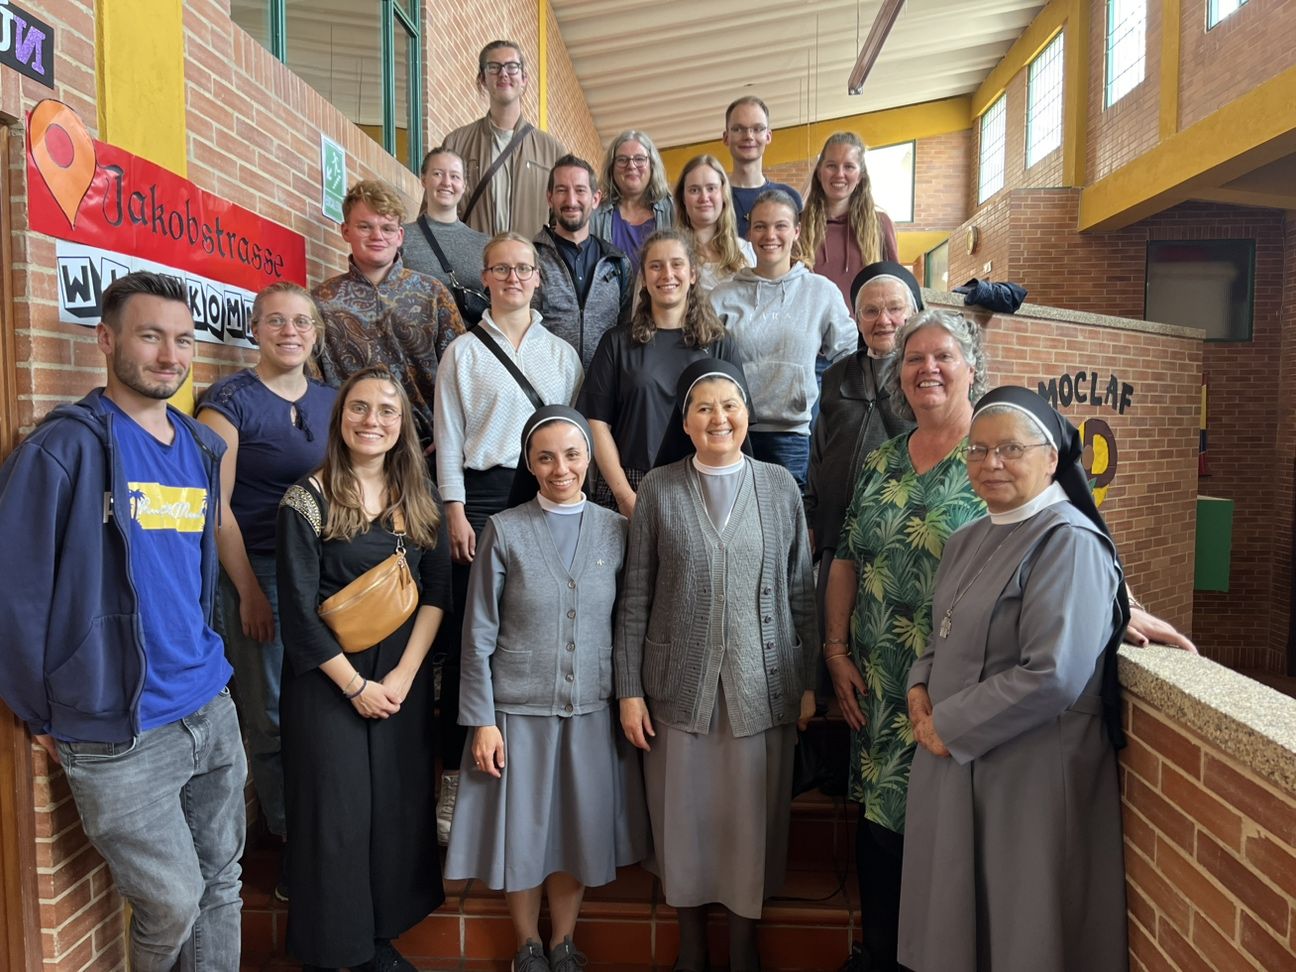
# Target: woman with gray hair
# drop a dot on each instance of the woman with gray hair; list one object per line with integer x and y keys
{"x": 911, "y": 494}
{"x": 637, "y": 201}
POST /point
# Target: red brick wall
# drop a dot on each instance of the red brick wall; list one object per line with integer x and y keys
{"x": 1284, "y": 469}
{"x": 1121, "y": 133}
{"x": 1210, "y": 853}
{"x": 1256, "y": 41}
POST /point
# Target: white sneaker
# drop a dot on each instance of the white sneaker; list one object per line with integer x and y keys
{"x": 445, "y": 806}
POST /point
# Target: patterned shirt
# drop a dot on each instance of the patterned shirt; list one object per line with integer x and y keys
{"x": 895, "y": 530}
{"x": 406, "y": 322}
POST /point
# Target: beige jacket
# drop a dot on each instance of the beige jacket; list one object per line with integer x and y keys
{"x": 528, "y": 167}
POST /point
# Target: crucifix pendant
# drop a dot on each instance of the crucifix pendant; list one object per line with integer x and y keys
{"x": 946, "y": 623}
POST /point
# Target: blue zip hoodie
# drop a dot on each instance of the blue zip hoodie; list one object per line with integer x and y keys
{"x": 73, "y": 661}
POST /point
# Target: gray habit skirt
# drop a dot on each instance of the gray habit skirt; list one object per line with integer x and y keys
{"x": 570, "y": 799}
{"x": 720, "y": 808}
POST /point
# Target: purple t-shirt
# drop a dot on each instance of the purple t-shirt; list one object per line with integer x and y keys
{"x": 629, "y": 239}
{"x": 168, "y": 510}
{"x": 279, "y": 442}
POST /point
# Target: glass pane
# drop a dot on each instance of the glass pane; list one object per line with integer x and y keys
{"x": 407, "y": 7}
{"x": 335, "y": 46}
{"x": 254, "y": 17}
{"x": 401, "y": 72}
{"x": 1202, "y": 283}
{"x": 891, "y": 176}
{"x": 1126, "y": 46}
{"x": 1044, "y": 103}
{"x": 993, "y": 136}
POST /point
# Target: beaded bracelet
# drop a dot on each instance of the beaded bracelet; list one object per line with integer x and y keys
{"x": 363, "y": 683}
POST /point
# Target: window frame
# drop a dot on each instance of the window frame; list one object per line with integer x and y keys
{"x": 393, "y": 16}
{"x": 999, "y": 106}
{"x": 1055, "y": 51}
{"x": 1214, "y": 18}
{"x": 1109, "y": 81}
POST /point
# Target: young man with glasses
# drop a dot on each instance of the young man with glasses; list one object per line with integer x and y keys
{"x": 587, "y": 282}
{"x": 514, "y": 198}
{"x": 747, "y": 135}
{"x": 379, "y": 312}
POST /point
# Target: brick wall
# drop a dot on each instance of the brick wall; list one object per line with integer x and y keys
{"x": 1150, "y": 504}
{"x": 1284, "y": 468}
{"x": 1210, "y": 853}
{"x": 1256, "y": 42}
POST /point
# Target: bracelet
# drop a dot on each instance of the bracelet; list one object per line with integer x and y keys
{"x": 354, "y": 676}
{"x": 836, "y": 654}
{"x": 357, "y": 692}
{"x": 834, "y": 641}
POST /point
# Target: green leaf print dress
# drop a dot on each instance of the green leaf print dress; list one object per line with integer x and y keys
{"x": 895, "y": 530}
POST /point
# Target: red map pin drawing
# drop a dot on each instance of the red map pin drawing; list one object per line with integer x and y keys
{"x": 64, "y": 154}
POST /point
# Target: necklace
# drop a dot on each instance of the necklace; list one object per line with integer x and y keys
{"x": 947, "y": 621}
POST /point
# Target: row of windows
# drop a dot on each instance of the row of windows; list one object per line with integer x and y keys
{"x": 1126, "y": 47}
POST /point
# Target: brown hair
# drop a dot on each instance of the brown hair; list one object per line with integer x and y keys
{"x": 725, "y": 240}
{"x": 702, "y": 328}
{"x": 496, "y": 45}
{"x": 140, "y": 282}
{"x": 404, "y": 474}
{"x": 746, "y": 100}
{"x": 379, "y": 196}
{"x": 423, "y": 169}
{"x": 861, "y": 216}
{"x": 295, "y": 290}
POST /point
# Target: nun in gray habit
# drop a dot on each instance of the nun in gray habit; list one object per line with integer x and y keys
{"x": 1013, "y": 858}
{"x": 716, "y": 647}
{"x": 551, "y": 794}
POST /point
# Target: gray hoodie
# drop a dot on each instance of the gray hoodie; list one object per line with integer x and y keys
{"x": 780, "y": 327}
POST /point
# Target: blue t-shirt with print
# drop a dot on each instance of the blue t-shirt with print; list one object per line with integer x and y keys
{"x": 185, "y": 662}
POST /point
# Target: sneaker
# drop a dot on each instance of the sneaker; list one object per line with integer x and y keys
{"x": 567, "y": 957}
{"x": 445, "y": 806}
{"x": 530, "y": 958}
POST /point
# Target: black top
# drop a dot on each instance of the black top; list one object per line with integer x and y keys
{"x": 581, "y": 259}
{"x": 631, "y": 387}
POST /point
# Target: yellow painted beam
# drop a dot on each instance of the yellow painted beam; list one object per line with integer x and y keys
{"x": 1075, "y": 86}
{"x": 1171, "y": 20}
{"x": 542, "y": 55}
{"x": 1252, "y": 130}
{"x": 1032, "y": 40}
{"x": 139, "y": 68}
{"x": 912, "y": 244}
{"x": 801, "y": 142}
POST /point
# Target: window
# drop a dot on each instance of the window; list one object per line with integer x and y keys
{"x": 891, "y": 177}
{"x": 1126, "y": 46}
{"x": 936, "y": 267}
{"x": 993, "y": 136}
{"x": 1044, "y": 102}
{"x": 1202, "y": 283}
{"x": 362, "y": 55}
{"x": 1217, "y": 10}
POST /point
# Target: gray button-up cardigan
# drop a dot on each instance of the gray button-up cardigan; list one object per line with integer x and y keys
{"x": 666, "y": 610}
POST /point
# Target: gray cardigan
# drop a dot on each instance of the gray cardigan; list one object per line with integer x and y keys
{"x": 661, "y": 640}
{"x": 537, "y": 640}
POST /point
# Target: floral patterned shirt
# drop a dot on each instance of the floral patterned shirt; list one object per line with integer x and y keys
{"x": 895, "y": 530}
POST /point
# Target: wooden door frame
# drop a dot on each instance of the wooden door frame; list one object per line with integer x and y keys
{"x": 20, "y": 940}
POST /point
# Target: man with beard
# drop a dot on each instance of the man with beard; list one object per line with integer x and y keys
{"x": 586, "y": 282}
{"x": 109, "y": 507}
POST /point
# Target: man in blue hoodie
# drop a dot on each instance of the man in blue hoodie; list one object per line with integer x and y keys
{"x": 108, "y": 510}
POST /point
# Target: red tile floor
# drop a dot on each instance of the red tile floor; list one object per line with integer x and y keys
{"x": 625, "y": 926}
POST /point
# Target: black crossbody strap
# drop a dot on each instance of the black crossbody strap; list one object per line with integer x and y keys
{"x": 436, "y": 248}
{"x": 514, "y": 143}
{"x": 527, "y": 388}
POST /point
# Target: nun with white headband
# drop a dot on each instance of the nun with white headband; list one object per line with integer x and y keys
{"x": 551, "y": 799}
{"x": 715, "y": 659}
{"x": 1012, "y": 852}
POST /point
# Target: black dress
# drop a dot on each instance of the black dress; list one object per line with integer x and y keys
{"x": 359, "y": 792}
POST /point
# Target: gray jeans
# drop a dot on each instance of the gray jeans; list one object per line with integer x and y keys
{"x": 166, "y": 812}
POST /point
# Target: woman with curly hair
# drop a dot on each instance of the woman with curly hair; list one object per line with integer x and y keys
{"x": 636, "y": 201}
{"x": 842, "y": 230}
{"x": 704, "y": 205}
{"x": 630, "y": 389}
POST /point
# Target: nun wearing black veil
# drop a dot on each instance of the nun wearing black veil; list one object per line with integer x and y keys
{"x": 1013, "y": 856}
{"x": 551, "y": 800}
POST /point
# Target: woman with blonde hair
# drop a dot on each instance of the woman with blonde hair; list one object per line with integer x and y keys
{"x": 704, "y": 205}
{"x": 636, "y": 199}
{"x": 842, "y": 230}
{"x": 358, "y": 730}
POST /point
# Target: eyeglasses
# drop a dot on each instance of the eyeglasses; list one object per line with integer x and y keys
{"x": 277, "y": 322}
{"x": 1005, "y": 451}
{"x": 625, "y": 161}
{"x": 508, "y": 68}
{"x": 387, "y": 414}
{"x": 871, "y": 312}
{"x": 501, "y": 271}
{"x": 387, "y": 230}
{"x": 741, "y": 130}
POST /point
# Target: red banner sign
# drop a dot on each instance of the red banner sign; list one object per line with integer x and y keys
{"x": 89, "y": 192}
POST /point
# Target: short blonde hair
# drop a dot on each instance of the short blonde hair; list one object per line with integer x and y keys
{"x": 507, "y": 237}
{"x": 381, "y": 197}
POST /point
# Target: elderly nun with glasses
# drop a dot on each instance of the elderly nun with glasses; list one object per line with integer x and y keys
{"x": 1012, "y": 855}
